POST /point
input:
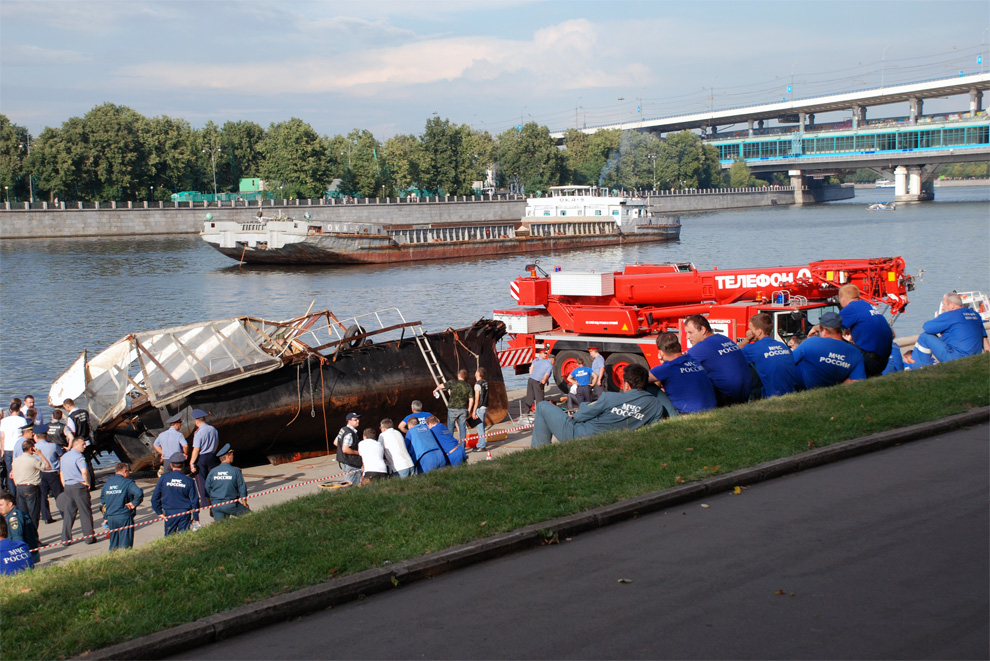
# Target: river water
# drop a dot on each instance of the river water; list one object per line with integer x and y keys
{"x": 64, "y": 295}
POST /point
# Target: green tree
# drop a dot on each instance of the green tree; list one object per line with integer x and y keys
{"x": 12, "y": 158}
{"x": 172, "y": 163}
{"x": 481, "y": 155}
{"x": 365, "y": 164}
{"x": 241, "y": 157}
{"x": 443, "y": 156}
{"x": 740, "y": 175}
{"x": 530, "y": 158}
{"x": 685, "y": 163}
{"x": 117, "y": 168}
{"x": 402, "y": 155}
{"x": 296, "y": 160}
{"x": 587, "y": 155}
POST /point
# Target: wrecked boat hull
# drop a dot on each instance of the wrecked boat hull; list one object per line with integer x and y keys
{"x": 299, "y": 408}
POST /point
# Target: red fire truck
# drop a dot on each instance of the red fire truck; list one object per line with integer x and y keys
{"x": 622, "y": 312}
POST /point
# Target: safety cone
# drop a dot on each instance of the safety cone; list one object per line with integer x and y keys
{"x": 489, "y": 457}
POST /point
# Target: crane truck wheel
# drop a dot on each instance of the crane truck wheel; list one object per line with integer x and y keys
{"x": 565, "y": 362}
{"x": 615, "y": 367}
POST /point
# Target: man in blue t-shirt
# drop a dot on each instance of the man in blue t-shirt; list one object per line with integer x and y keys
{"x": 771, "y": 359}
{"x": 417, "y": 412}
{"x": 825, "y": 359}
{"x": 956, "y": 333}
{"x": 868, "y": 327}
{"x": 580, "y": 377}
{"x": 683, "y": 380}
{"x": 723, "y": 361}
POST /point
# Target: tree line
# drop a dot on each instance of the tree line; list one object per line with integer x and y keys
{"x": 115, "y": 153}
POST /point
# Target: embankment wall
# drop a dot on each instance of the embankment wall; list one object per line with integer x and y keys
{"x": 139, "y": 220}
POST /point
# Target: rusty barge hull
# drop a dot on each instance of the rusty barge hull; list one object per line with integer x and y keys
{"x": 300, "y": 407}
{"x": 323, "y": 253}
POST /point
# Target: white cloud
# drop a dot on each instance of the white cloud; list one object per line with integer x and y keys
{"x": 567, "y": 55}
{"x": 25, "y": 55}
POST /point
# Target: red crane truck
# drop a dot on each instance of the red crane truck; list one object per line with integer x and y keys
{"x": 622, "y": 312}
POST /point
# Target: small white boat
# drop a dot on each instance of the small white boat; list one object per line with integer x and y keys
{"x": 882, "y": 206}
{"x": 883, "y": 183}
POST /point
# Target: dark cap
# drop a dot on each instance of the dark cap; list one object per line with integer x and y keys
{"x": 224, "y": 450}
{"x": 41, "y": 429}
{"x": 177, "y": 458}
{"x": 831, "y": 320}
{"x": 352, "y": 416}
{"x": 199, "y": 413}
{"x": 174, "y": 419}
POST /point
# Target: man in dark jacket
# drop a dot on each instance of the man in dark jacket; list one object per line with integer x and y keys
{"x": 175, "y": 493}
{"x": 630, "y": 409}
{"x": 120, "y": 498}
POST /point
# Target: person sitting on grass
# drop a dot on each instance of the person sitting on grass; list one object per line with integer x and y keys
{"x": 825, "y": 359}
{"x": 956, "y": 333}
{"x": 15, "y": 556}
{"x": 684, "y": 381}
{"x": 631, "y": 408}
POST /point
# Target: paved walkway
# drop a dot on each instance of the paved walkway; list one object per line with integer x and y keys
{"x": 881, "y": 556}
{"x": 258, "y": 478}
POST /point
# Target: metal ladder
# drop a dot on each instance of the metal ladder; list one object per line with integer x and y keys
{"x": 431, "y": 360}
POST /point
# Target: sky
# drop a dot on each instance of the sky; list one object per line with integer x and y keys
{"x": 388, "y": 66}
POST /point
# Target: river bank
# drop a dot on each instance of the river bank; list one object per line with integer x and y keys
{"x": 120, "y": 219}
{"x": 399, "y": 529}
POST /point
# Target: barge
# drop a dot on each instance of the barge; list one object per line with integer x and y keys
{"x": 571, "y": 217}
{"x": 276, "y": 389}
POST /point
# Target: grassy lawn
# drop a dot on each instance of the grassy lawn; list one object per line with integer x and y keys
{"x": 95, "y": 602}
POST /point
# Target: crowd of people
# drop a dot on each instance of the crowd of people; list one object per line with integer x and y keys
{"x": 846, "y": 346}
{"x": 43, "y": 461}
{"x": 53, "y": 460}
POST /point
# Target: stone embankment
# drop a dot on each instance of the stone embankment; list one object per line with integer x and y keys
{"x": 65, "y": 220}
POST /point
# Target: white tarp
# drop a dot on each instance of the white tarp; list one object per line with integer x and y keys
{"x": 166, "y": 365}
{"x": 70, "y": 384}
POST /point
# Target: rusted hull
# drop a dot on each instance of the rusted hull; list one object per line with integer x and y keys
{"x": 307, "y": 252}
{"x": 300, "y": 407}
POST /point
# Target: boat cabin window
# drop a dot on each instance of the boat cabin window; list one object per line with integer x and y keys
{"x": 598, "y": 212}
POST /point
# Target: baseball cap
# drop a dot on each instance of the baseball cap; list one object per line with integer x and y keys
{"x": 352, "y": 416}
{"x": 831, "y": 320}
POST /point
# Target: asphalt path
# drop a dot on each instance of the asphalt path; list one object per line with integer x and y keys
{"x": 883, "y": 556}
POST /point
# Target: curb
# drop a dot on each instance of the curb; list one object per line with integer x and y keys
{"x": 348, "y": 588}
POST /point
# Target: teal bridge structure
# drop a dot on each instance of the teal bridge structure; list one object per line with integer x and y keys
{"x": 909, "y": 149}
{"x": 908, "y": 152}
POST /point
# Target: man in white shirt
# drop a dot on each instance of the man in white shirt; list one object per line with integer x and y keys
{"x": 10, "y": 435}
{"x": 396, "y": 454}
{"x": 372, "y": 457}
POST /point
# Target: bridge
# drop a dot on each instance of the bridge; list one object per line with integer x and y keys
{"x": 909, "y": 148}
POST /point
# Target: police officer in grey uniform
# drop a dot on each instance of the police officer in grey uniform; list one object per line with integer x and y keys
{"x": 203, "y": 458}
{"x": 226, "y": 483}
